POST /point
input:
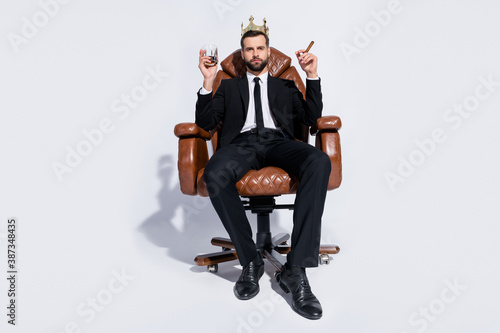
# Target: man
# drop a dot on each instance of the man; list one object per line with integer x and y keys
{"x": 258, "y": 112}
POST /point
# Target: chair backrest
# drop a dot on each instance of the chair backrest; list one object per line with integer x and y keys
{"x": 279, "y": 66}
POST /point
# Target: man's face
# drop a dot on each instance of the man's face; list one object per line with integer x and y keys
{"x": 255, "y": 53}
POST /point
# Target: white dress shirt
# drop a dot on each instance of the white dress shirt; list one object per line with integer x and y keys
{"x": 266, "y": 113}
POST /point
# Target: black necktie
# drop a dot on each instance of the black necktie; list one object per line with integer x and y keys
{"x": 259, "y": 119}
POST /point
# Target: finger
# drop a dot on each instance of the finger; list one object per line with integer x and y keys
{"x": 309, "y": 54}
{"x": 300, "y": 55}
{"x": 312, "y": 57}
{"x": 204, "y": 59}
{"x": 305, "y": 58}
{"x": 308, "y": 57}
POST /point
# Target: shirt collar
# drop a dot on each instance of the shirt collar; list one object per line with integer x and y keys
{"x": 262, "y": 77}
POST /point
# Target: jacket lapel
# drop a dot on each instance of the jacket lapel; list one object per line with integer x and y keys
{"x": 243, "y": 89}
{"x": 272, "y": 89}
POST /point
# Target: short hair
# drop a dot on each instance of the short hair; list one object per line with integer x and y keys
{"x": 254, "y": 33}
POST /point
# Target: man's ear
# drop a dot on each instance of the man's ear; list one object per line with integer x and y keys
{"x": 268, "y": 52}
{"x": 242, "y": 56}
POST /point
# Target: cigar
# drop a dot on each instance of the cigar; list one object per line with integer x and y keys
{"x": 309, "y": 47}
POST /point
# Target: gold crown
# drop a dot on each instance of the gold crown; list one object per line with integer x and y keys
{"x": 251, "y": 26}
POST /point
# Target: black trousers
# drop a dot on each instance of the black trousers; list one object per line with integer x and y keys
{"x": 252, "y": 151}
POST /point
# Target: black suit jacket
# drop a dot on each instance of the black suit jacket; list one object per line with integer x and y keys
{"x": 230, "y": 105}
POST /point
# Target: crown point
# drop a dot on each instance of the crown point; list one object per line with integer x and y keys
{"x": 252, "y": 26}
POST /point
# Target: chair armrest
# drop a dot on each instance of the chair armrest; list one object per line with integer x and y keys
{"x": 328, "y": 140}
{"x": 193, "y": 155}
{"x": 190, "y": 129}
{"x": 326, "y": 123}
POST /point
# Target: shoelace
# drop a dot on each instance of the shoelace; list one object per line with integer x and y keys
{"x": 306, "y": 286}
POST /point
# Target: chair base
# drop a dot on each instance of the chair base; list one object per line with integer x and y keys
{"x": 274, "y": 255}
{"x": 273, "y": 248}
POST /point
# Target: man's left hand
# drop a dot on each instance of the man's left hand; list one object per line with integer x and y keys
{"x": 308, "y": 62}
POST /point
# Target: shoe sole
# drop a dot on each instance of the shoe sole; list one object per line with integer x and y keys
{"x": 303, "y": 315}
{"x": 244, "y": 298}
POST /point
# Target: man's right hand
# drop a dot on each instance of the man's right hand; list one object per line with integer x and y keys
{"x": 208, "y": 72}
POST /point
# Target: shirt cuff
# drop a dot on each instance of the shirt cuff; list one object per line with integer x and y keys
{"x": 316, "y": 78}
{"x": 204, "y": 91}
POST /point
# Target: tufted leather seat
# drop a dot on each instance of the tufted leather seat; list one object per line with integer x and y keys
{"x": 266, "y": 181}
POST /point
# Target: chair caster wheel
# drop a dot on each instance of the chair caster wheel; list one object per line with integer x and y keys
{"x": 213, "y": 268}
{"x": 324, "y": 259}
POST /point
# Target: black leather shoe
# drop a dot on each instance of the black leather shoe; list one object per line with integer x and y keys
{"x": 247, "y": 285}
{"x": 294, "y": 279}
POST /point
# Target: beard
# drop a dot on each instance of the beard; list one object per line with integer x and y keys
{"x": 257, "y": 67}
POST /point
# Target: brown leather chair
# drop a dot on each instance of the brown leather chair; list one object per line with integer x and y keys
{"x": 258, "y": 188}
